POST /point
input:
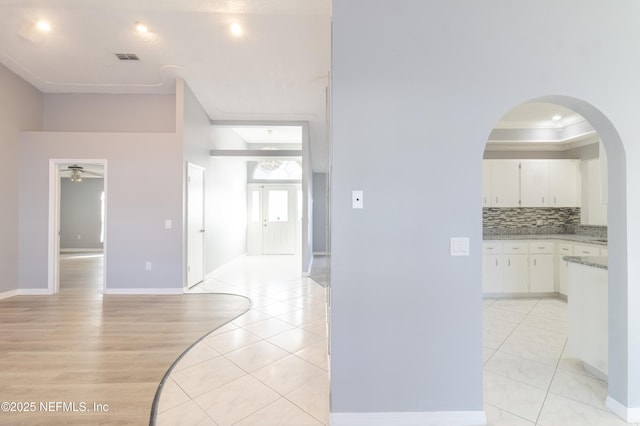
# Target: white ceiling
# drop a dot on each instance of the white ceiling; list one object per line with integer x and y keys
{"x": 277, "y": 70}
{"x": 538, "y": 115}
{"x": 270, "y": 134}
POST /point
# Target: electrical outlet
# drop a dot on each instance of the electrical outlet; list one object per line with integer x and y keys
{"x": 147, "y": 266}
{"x": 539, "y": 222}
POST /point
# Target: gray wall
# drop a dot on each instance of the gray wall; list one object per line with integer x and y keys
{"x": 109, "y": 113}
{"x": 80, "y": 213}
{"x": 226, "y": 201}
{"x": 20, "y": 109}
{"x": 143, "y": 189}
{"x": 319, "y": 212}
{"x": 417, "y": 87}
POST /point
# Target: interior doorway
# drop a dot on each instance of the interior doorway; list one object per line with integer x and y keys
{"x": 77, "y": 225}
{"x": 195, "y": 224}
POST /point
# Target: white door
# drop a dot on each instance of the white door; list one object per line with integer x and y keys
{"x": 279, "y": 220}
{"x": 273, "y": 225}
{"x": 195, "y": 224}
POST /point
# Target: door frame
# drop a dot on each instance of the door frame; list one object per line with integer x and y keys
{"x": 188, "y": 167}
{"x": 53, "y": 258}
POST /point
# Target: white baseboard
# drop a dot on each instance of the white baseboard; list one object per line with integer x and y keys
{"x": 629, "y": 415}
{"x": 34, "y": 292}
{"x": 143, "y": 291}
{"x": 81, "y": 250}
{"x": 321, "y": 253}
{"x": 428, "y": 418}
{"x": 10, "y": 293}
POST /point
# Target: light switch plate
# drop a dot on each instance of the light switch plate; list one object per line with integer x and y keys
{"x": 168, "y": 224}
{"x": 459, "y": 246}
{"x": 357, "y": 199}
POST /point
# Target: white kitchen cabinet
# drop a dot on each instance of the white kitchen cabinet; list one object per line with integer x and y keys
{"x": 541, "y": 271}
{"x": 534, "y": 175}
{"x": 516, "y": 267}
{"x": 505, "y": 183}
{"x": 486, "y": 184}
{"x": 492, "y": 270}
{"x": 563, "y": 183}
{"x": 516, "y": 273}
{"x": 564, "y": 249}
{"x": 586, "y": 250}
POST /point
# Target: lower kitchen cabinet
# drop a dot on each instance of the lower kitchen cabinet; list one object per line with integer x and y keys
{"x": 492, "y": 272}
{"x": 516, "y": 273}
{"x": 541, "y": 276}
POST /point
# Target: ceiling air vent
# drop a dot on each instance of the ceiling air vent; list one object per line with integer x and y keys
{"x": 127, "y": 56}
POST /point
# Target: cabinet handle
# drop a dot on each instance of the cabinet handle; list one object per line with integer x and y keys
{"x": 508, "y": 262}
{"x": 496, "y": 200}
{"x": 535, "y": 263}
{"x": 516, "y": 248}
{"x": 496, "y": 262}
{"x": 555, "y": 201}
{"x": 542, "y": 200}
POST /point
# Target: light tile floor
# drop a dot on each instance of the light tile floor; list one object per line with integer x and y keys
{"x": 269, "y": 367}
{"x": 529, "y": 377}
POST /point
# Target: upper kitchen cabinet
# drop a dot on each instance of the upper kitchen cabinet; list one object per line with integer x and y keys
{"x": 505, "y": 183}
{"x": 563, "y": 183}
{"x": 486, "y": 184}
{"x": 534, "y": 175}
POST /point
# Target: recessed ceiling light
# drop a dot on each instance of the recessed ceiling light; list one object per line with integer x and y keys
{"x": 236, "y": 29}
{"x": 141, "y": 28}
{"x": 556, "y": 117}
{"x": 43, "y": 26}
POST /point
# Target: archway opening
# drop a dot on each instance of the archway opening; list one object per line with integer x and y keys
{"x": 554, "y": 184}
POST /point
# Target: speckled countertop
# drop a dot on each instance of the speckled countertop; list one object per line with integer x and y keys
{"x": 567, "y": 237}
{"x": 596, "y": 262}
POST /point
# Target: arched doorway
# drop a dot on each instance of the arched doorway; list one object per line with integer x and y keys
{"x": 616, "y": 188}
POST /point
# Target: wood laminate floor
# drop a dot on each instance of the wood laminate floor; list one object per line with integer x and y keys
{"x": 83, "y": 358}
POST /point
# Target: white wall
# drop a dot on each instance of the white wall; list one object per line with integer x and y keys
{"x": 109, "y": 113}
{"x": 226, "y": 201}
{"x": 417, "y": 88}
{"x": 143, "y": 189}
{"x": 20, "y": 109}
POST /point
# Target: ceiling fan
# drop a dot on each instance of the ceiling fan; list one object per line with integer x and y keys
{"x": 77, "y": 172}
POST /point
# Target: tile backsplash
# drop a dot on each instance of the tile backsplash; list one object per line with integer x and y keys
{"x": 524, "y": 220}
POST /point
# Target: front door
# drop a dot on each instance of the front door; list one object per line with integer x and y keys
{"x": 273, "y": 219}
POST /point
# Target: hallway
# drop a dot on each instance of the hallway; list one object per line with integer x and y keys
{"x": 267, "y": 367}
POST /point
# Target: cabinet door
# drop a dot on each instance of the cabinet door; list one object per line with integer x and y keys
{"x": 486, "y": 183}
{"x": 516, "y": 273}
{"x": 563, "y": 183}
{"x": 492, "y": 273}
{"x": 534, "y": 175}
{"x": 505, "y": 183}
{"x": 541, "y": 273}
{"x": 564, "y": 249}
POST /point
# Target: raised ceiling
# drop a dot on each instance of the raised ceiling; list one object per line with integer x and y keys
{"x": 542, "y": 127}
{"x": 277, "y": 70}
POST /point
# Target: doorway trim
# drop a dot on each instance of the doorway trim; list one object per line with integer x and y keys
{"x": 53, "y": 258}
